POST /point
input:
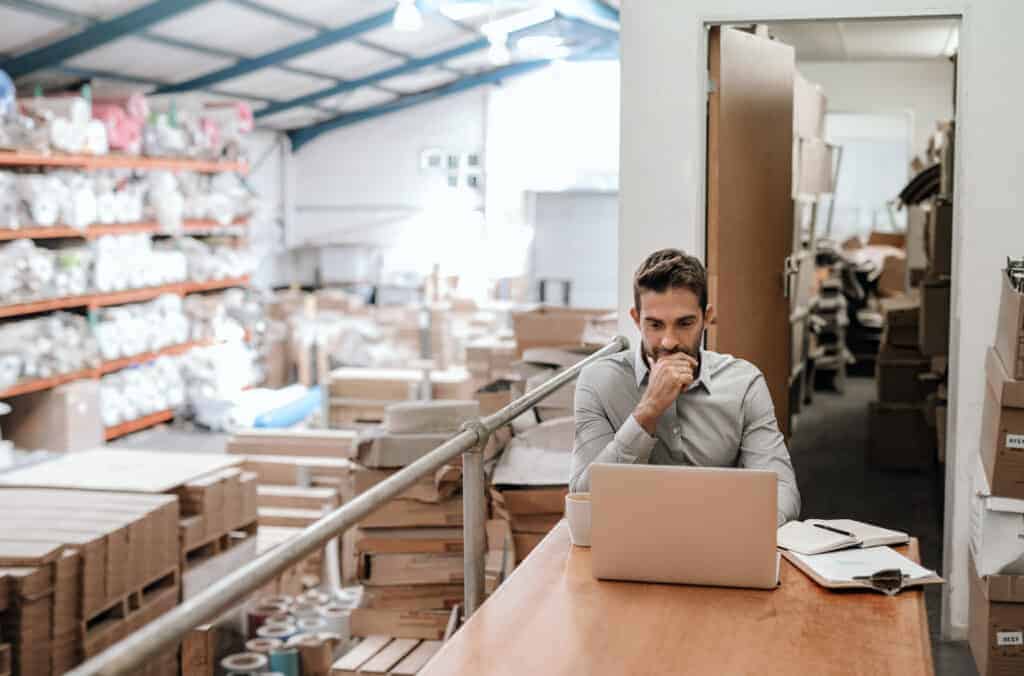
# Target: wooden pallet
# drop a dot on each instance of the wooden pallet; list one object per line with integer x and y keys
{"x": 386, "y": 655}
{"x": 130, "y": 613}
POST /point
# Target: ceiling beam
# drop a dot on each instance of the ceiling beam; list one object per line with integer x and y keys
{"x": 409, "y": 66}
{"x": 295, "y": 50}
{"x": 302, "y": 136}
{"x": 96, "y": 35}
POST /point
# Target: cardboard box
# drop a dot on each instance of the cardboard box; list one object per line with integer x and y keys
{"x": 902, "y": 317}
{"x": 411, "y": 569}
{"x": 997, "y": 529}
{"x": 425, "y": 624}
{"x": 896, "y": 375}
{"x": 1002, "y": 430}
{"x": 899, "y": 438}
{"x": 413, "y": 597}
{"x": 398, "y": 450}
{"x": 63, "y": 419}
{"x": 940, "y": 239}
{"x": 893, "y": 279}
{"x": 1010, "y": 329}
{"x": 494, "y": 396}
{"x": 401, "y": 513}
{"x": 996, "y": 625}
{"x": 552, "y": 326}
{"x": 934, "y": 326}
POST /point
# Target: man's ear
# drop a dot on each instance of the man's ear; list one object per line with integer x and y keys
{"x": 710, "y": 317}
{"x": 635, "y": 315}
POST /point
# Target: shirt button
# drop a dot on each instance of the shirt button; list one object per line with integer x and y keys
{"x": 675, "y": 431}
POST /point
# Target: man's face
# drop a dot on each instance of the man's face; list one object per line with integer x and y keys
{"x": 670, "y": 322}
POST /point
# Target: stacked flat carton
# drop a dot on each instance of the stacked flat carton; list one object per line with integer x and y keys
{"x": 82, "y": 571}
{"x": 410, "y": 550}
{"x": 899, "y": 435}
{"x": 558, "y": 327}
{"x": 996, "y": 627}
{"x": 540, "y": 364}
{"x": 531, "y": 480}
{"x": 361, "y": 394}
{"x": 489, "y": 359}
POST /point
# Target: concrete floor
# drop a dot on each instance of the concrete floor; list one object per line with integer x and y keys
{"x": 828, "y": 450}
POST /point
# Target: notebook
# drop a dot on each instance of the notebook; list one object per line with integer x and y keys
{"x": 853, "y": 568}
{"x": 817, "y": 536}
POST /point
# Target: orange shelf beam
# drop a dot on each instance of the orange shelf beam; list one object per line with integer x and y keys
{"x": 192, "y": 226}
{"x": 117, "y": 161}
{"x": 138, "y": 424}
{"x": 118, "y": 364}
{"x": 41, "y": 384}
{"x": 119, "y": 297}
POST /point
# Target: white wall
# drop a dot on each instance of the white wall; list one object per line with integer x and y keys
{"x": 663, "y": 130}
{"x": 924, "y": 89}
{"x": 363, "y": 185}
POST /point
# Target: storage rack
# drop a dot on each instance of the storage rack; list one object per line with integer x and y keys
{"x": 96, "y": 300}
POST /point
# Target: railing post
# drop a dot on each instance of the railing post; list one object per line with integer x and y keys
{"x": 474, "y": 518}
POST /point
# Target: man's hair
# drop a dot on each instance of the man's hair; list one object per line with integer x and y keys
{"x": 671, "y": 268}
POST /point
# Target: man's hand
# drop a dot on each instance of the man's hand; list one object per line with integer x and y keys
{"x": 670, "y": 376}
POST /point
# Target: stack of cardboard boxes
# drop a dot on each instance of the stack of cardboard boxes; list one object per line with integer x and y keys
{"x": 410, "y": 551}
{"x": 360, "y": 395}
{"x": 996, "y": 631}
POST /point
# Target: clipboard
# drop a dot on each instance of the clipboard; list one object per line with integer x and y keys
{"x": 888, "y": 581}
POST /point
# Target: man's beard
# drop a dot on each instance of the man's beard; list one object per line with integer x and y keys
{"x": 652, "y": 355}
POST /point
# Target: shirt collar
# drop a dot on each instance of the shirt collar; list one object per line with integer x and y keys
{"x": 641, "y": 370}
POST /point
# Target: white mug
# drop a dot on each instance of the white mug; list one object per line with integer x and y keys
{"x": 577, "y": 511}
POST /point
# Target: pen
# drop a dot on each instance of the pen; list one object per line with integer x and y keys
{"x": 834, "y": 530}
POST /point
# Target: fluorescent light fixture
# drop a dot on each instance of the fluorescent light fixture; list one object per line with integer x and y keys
{"x": 407, "y": 17}
{"x": 518, "y": 21}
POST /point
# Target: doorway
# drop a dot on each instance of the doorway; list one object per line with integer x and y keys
{"x": 829, "y": 265}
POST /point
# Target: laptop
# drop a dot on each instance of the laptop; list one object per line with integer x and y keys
{"x": 684, "y": 525}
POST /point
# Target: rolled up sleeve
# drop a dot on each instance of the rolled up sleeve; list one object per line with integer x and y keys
{"x": 764, "y": 447}
{"x": 596, "y": 440}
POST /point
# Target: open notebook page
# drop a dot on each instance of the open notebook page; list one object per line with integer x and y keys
{"x": 848, "y": 564}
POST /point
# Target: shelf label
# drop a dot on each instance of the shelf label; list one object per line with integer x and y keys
{"x": 1004, "y": 638}
{"x": 1015, "y": 441}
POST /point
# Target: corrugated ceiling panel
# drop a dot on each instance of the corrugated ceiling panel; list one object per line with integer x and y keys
{"x": 22, "y": 31}
{"x": 364, "y": 97}
{"x": 347, "y": 60}
{"x": 225, "y": 25}
{"x": 332, "y": 13}
{"x": 428, "y": 78}
{"x": 275, "y": 83}
{"x": 142, "y": 58}
{"x": 437, "y": 34}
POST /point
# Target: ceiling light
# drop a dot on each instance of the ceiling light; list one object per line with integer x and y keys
{"x": 407, "y": 17}
{"x": 517, "y": 22}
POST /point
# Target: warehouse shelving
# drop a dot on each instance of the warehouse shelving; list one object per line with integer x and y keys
{"x": 191, "y": 226}
{"x": 118, "y": 161}
{"x": 97, "y": 300}
{"x": 138, "y": 424}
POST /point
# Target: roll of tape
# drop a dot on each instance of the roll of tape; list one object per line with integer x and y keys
{"x": 258, "y": 614}
{"x": 278, "y": 631}
{"x": 263, "y": 645}
{"x": 314, "y": 596}
{"x": 244, "y": 663}
{"x": 311, "y": 625}
{"x": 336, "y": 619}
{"x": 285, "y": 660}
{"x": 302, "y": 609}
{"x": 315, "y": 655}
{"x": 281, "y": 618}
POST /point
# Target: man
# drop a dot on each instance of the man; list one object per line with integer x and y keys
{"x": 670, "y": 402}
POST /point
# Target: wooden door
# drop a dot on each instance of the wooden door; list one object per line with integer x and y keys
{"x": 749, "y": 205}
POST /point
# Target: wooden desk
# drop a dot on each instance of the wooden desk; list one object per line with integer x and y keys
{"x": 552, "y": 617}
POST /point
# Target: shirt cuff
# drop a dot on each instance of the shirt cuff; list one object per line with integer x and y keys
{"x": 634, "y": 441}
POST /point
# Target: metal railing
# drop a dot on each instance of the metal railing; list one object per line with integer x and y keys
{"x": 166, "y": 631}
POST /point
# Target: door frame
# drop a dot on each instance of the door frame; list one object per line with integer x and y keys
{"x": 953, "y": 461}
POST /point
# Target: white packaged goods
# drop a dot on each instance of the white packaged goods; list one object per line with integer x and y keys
{"x": 130, "y": 262}
{"x": 221, "y": 317}
{"x": 207, "y": 262}
{"x": 29, "y": 272}
{"x": 142, "y": 390}
{"x": 997, "y": 530}
{"x": 129, "y": 330}
{"x": 45, "y": 347}
{"x": 216, "y": 378}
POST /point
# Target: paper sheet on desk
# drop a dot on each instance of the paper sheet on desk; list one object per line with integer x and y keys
{"x": 845, "y": 565}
